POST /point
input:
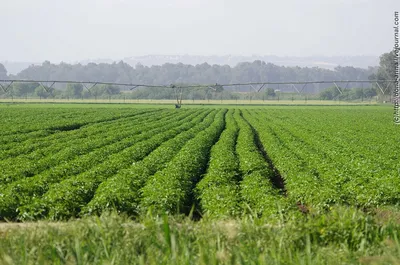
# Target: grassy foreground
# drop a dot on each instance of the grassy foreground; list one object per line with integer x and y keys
{"x": 341, "y": 236}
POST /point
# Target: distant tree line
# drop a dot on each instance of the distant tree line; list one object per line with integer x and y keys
{"x": 121, "y": 72}
{"x": 333, "y": 93}
{"x": 71, "y": 91}
{"x": 385, "y": 71}
{"x": 256, "y": 71}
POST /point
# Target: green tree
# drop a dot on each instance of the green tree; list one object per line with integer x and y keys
{"x": 97, "y": 91}
{"x": 386, "y": 71}
{"x": 74, "y": 90}
{"x": 218, "y": 88}
{"x": 41, "y": 92}
{"x": 22, "y": 89}
{"x": 104, "y": 91}
{"x": 329, "y": 93}
{"x": 111, "y": 90}
{"x": 369, "y": 92}
{"x": 3, "y": 72}
{"x": 270, "y": 92}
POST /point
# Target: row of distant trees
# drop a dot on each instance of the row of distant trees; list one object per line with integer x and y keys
{"x": 74, "y": 91}
{"x": 79, "y": 91}
{"x": 256, "y": 71}
{"x": 348, "y": 94}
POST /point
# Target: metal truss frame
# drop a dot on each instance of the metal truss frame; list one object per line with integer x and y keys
{"x": 179, "y": 88}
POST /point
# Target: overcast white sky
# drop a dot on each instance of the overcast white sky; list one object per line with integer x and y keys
{"x": 70, "y": 30}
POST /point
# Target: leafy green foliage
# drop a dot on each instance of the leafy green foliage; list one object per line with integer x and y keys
{"x": 332, "y": 160}
{"x": 72, "y": 162}
{"x": 122, "y": 191}
{"x": 79, "y": 189}
{"x": 342, "y": 236}
{"x": 218, "y": 191}
{"x": 171, "y": 188}
{"x": 257, "y": 191}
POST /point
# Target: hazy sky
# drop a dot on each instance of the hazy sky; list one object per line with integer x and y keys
{"x": 70, "y": 30}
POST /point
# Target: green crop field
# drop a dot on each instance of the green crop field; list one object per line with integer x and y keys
{"x": 144, "y": 184}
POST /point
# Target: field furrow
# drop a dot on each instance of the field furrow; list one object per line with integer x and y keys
{"x": 26, "y": 189}
{"x": 170, "y": 189}
{"x": 49, "y": 142}
{"x": 218, "y": 190}
{"x": 122, "y": 191}
{"x": 258, "y": 193}
{"x": 66, "y": 198}
{"x": 40, "y": 161}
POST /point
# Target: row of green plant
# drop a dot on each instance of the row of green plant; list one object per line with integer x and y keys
{"x": 258, "y": 194}
{"x": 58, "y": 139}
{"x": 27, "y": 120}
{"x": 122, "y": 191}
{"x": 66, "y": 198}
{"x": 218, "y": 190}
{"x": 341, "y": 158}
{"x": 25, "y": 189}
{"x": 36, "y": 162}
{"x": 360, "y": 155}
{"x": 171, "y": 189}
{"x": 157, "y": 160}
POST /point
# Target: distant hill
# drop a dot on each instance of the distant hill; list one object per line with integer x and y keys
{"x": 232, "y": 60}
